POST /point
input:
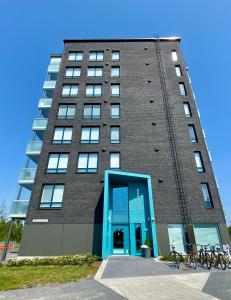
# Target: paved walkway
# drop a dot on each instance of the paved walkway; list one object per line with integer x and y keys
{"x": 139, "y": 278}
{"x": 136, "y": 278}
{"x": 88, "y": 289}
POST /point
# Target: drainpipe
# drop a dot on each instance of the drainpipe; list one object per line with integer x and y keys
{"x": 7, "y": 240}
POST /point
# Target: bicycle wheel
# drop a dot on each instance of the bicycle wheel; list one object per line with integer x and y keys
{"x": 201, "y": 258}
{"x": 178, "y": 260}
{"x": 221, "y": 261}
{"x": 208, "y": 261}
{"x": 194, "y": 262}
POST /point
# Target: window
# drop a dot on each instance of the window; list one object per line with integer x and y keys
{"x": 52, "y": 196}
{"x": 95, "y": 72}
{"x": 62, "y": 135}
{"x": 72, "y": 72}
{"x": 96, "y": 55}
{"x": 178, "y": 71}
{"x": 182, "y": 89}
{"x": 176, "y": 237}
{"x": 115, "y": 90}
{"x": 206, "y": 234}
{"x": 115, "y": 72}
{"x": 199, "y": 163}
{"x": 75, "y": 56}
{"x": 187, "y": 110}
{"x": 115, "y": 55}
{"x": 174, "y": 55}
{"x": 115, "y": 135}
{"x": 94, "y": 90}
{"x": 115, "y": 111}
{"x": 90, "y": 135}
{"x": 115, "y": 160}
{"x": 192, "y": 133}
{"x": 66, "y": 111}
{"x": 70, "y": 90}
{"x": 91, "y": 111}
{"x": 87, "y": 163}
{"x": 52, "y": 76}
{"x": 57, "y": 163}
{"x": 206, "y": 195}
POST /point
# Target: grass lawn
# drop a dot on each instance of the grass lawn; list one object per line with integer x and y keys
{"x": 24, "y": 277}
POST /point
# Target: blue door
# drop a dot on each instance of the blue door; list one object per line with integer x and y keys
{"x": 120, "y": 240}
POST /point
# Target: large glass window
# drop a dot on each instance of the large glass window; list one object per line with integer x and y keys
{"x": 115, "y": 90}
{"x": 70, "y": 90}
{"x": 66, "y": 111}
{"x": 95, "y": 72}
{"x": 206, "y": 234}
{"x": 96, "y": 56}
{"x": 187, "y": 110}
{"x": 87, "y": 163}
{"x": 178, "y": 71}
{"x": 115, "y": 134}
{"x": 62, "y": 135}
{"x": 174, "y": 55}
{"x": 52, "y": 196}
{"x": 115, "y": 55}
{"x": 75, "y": 56}
{"x": 115, "y": 72}
{"x": 90, "y": 135}
{"x": 199, "y": 162}
{"x": 115, "y": 160}
{"x": 176, "y": 237}
{"x": 91, "y": 111}
{"x": 115, "y": 111}
{"x": 192, "y": 133}
{"x": 94, "y": 90}
{"x": 72, "y": 72}
{"x": 119, "y": 204}
{"x": 182, "y": 89}
{"x": 206, "y": 195}
{"x": 57, "y": 163}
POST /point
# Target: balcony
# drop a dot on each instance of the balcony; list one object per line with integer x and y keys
{"x": 39, "y": 126}
{"x": 33, "y": 150}
{"x": 49, "y": 84}
{"x": 18, "y": 209}
{"x": 53, "y": 68}
{"x": 45, "y": 105}
{"x": 26, "y": 177}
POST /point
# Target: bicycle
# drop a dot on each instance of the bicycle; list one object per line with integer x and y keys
{"x": 217, "y": 258}
{"x": 191, "y": 257}
{"x": 177, "y": 258}
{"x": 204, "y": 257}
{"x": 227, "y": 254}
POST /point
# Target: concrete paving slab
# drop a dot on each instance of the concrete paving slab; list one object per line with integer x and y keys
{"x": 219, "y": 285}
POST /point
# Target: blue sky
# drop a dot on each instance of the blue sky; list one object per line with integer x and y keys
{"x": 31, "y": 30}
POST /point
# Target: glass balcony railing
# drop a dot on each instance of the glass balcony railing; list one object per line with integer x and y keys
{"x": 49, "y": 84}
{"x": 19, "y": 209}
{"x": 34, "y": 147}
{"x": 45, "y": 103}
{"x": 26, "y": 177}
{"x": 33, "y": 150}
{"x": 53, "y": 68}
{"x": 39, "y": 126}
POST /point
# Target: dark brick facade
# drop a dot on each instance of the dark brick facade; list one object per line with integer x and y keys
{"x": 144, "y": 145}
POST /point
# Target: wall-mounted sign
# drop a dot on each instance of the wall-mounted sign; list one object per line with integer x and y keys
{"x": 40, "y": 220}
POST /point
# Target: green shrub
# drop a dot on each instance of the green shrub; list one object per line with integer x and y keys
{"x": 168, "y": 257}
{"x": 74, "y": 260}
{"x": 148, "y": 242}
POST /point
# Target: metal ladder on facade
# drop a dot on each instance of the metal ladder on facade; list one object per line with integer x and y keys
{"x": 178, "y": 175}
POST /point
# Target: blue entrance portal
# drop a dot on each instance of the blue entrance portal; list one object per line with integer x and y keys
{"x": 128, "y": 214}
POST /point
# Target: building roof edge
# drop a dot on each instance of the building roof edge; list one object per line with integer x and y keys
{"x": 169, "y": 38}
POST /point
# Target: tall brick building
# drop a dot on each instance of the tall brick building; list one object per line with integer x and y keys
{"x": 120, "y": 154}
